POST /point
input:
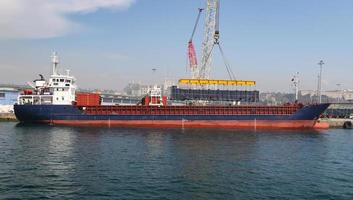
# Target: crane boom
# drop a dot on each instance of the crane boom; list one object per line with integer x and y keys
{"x": 191, "y": 49}
{"x": 211, "y": 36}
{"x": 216, "y": 34}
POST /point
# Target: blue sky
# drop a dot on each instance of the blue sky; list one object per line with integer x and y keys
{"x": 108, "y": 45}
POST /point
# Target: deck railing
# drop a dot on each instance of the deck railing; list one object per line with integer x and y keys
{"x": 35, "y": 99}
{"x": 191, "y": 110}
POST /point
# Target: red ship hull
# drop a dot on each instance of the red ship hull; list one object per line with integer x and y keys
{"x": 261, "y": 124}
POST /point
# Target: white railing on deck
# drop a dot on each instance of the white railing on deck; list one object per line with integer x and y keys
{"x": 35, "y": 99}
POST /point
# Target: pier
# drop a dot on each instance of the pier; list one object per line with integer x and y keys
{"x": 339, "y": 123}
{"x": 7, "y": 117}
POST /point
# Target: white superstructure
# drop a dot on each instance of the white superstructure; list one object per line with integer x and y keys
{"x": 60, "y": 89}
{"x": 155, "y": 93}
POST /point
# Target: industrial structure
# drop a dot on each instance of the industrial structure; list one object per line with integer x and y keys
{"x": 201, "y": 85}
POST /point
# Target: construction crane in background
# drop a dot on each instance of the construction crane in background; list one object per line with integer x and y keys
{"x": 211, "y": 39}
{"x": 191, "y": 49}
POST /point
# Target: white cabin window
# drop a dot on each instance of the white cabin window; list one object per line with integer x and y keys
{"x": 61, "y": 80}
{"x": 62, "y": 98}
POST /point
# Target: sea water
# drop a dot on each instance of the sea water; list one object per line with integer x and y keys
{"x": 42, "y": 162}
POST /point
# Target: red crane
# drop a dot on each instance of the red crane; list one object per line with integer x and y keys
{"x": 191, "y": 49}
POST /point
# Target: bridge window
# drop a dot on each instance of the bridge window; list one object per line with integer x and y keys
{"x": 2, "y": 95}
{"x": 61, "y": 80}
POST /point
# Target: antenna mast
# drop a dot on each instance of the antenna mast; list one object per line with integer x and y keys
{"x": 295, "y": 81}
{"x": 55, "y": 62}
{"x": 319, "y": 84}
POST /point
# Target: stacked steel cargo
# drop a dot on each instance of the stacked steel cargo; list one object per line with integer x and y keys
{"x": 181, "y": 94}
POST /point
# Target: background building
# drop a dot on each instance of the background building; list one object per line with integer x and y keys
{"x": 334, "y": 95}
{"x": 8, "y": 97}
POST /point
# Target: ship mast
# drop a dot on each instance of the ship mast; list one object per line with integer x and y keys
{"x": 55, "y": 62}
{"x": 296, "y": 81}
{"x": 319, "y": 84}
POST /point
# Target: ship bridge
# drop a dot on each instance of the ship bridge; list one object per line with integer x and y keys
{"x": 60, "y": 89}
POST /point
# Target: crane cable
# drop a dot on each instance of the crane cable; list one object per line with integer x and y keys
{"x": 226, "y": 63}
{"x": 225, "y": 60}
{"x": 216, "y": 37}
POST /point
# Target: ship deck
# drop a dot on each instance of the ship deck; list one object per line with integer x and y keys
{"x": 191, "y": 110}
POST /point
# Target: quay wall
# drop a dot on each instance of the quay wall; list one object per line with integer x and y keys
{"x": 7, "y": 117}
{"x": 337, "y": 123}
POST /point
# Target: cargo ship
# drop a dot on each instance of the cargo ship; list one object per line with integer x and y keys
{"x": 56, "y": 102}
{"x": 203, "y": 105}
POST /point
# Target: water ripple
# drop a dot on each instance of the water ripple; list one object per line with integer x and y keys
{"x": 44, "y": 162}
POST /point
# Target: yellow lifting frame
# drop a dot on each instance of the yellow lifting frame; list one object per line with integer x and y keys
{"x": 216, "y": 82}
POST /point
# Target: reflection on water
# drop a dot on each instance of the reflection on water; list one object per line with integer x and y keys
{"x": 127, "y": 163}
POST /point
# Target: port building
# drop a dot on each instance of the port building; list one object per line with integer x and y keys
{"x": 8, "y": 97}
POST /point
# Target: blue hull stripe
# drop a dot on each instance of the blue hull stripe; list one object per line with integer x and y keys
{"x": 32, "y": 113}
